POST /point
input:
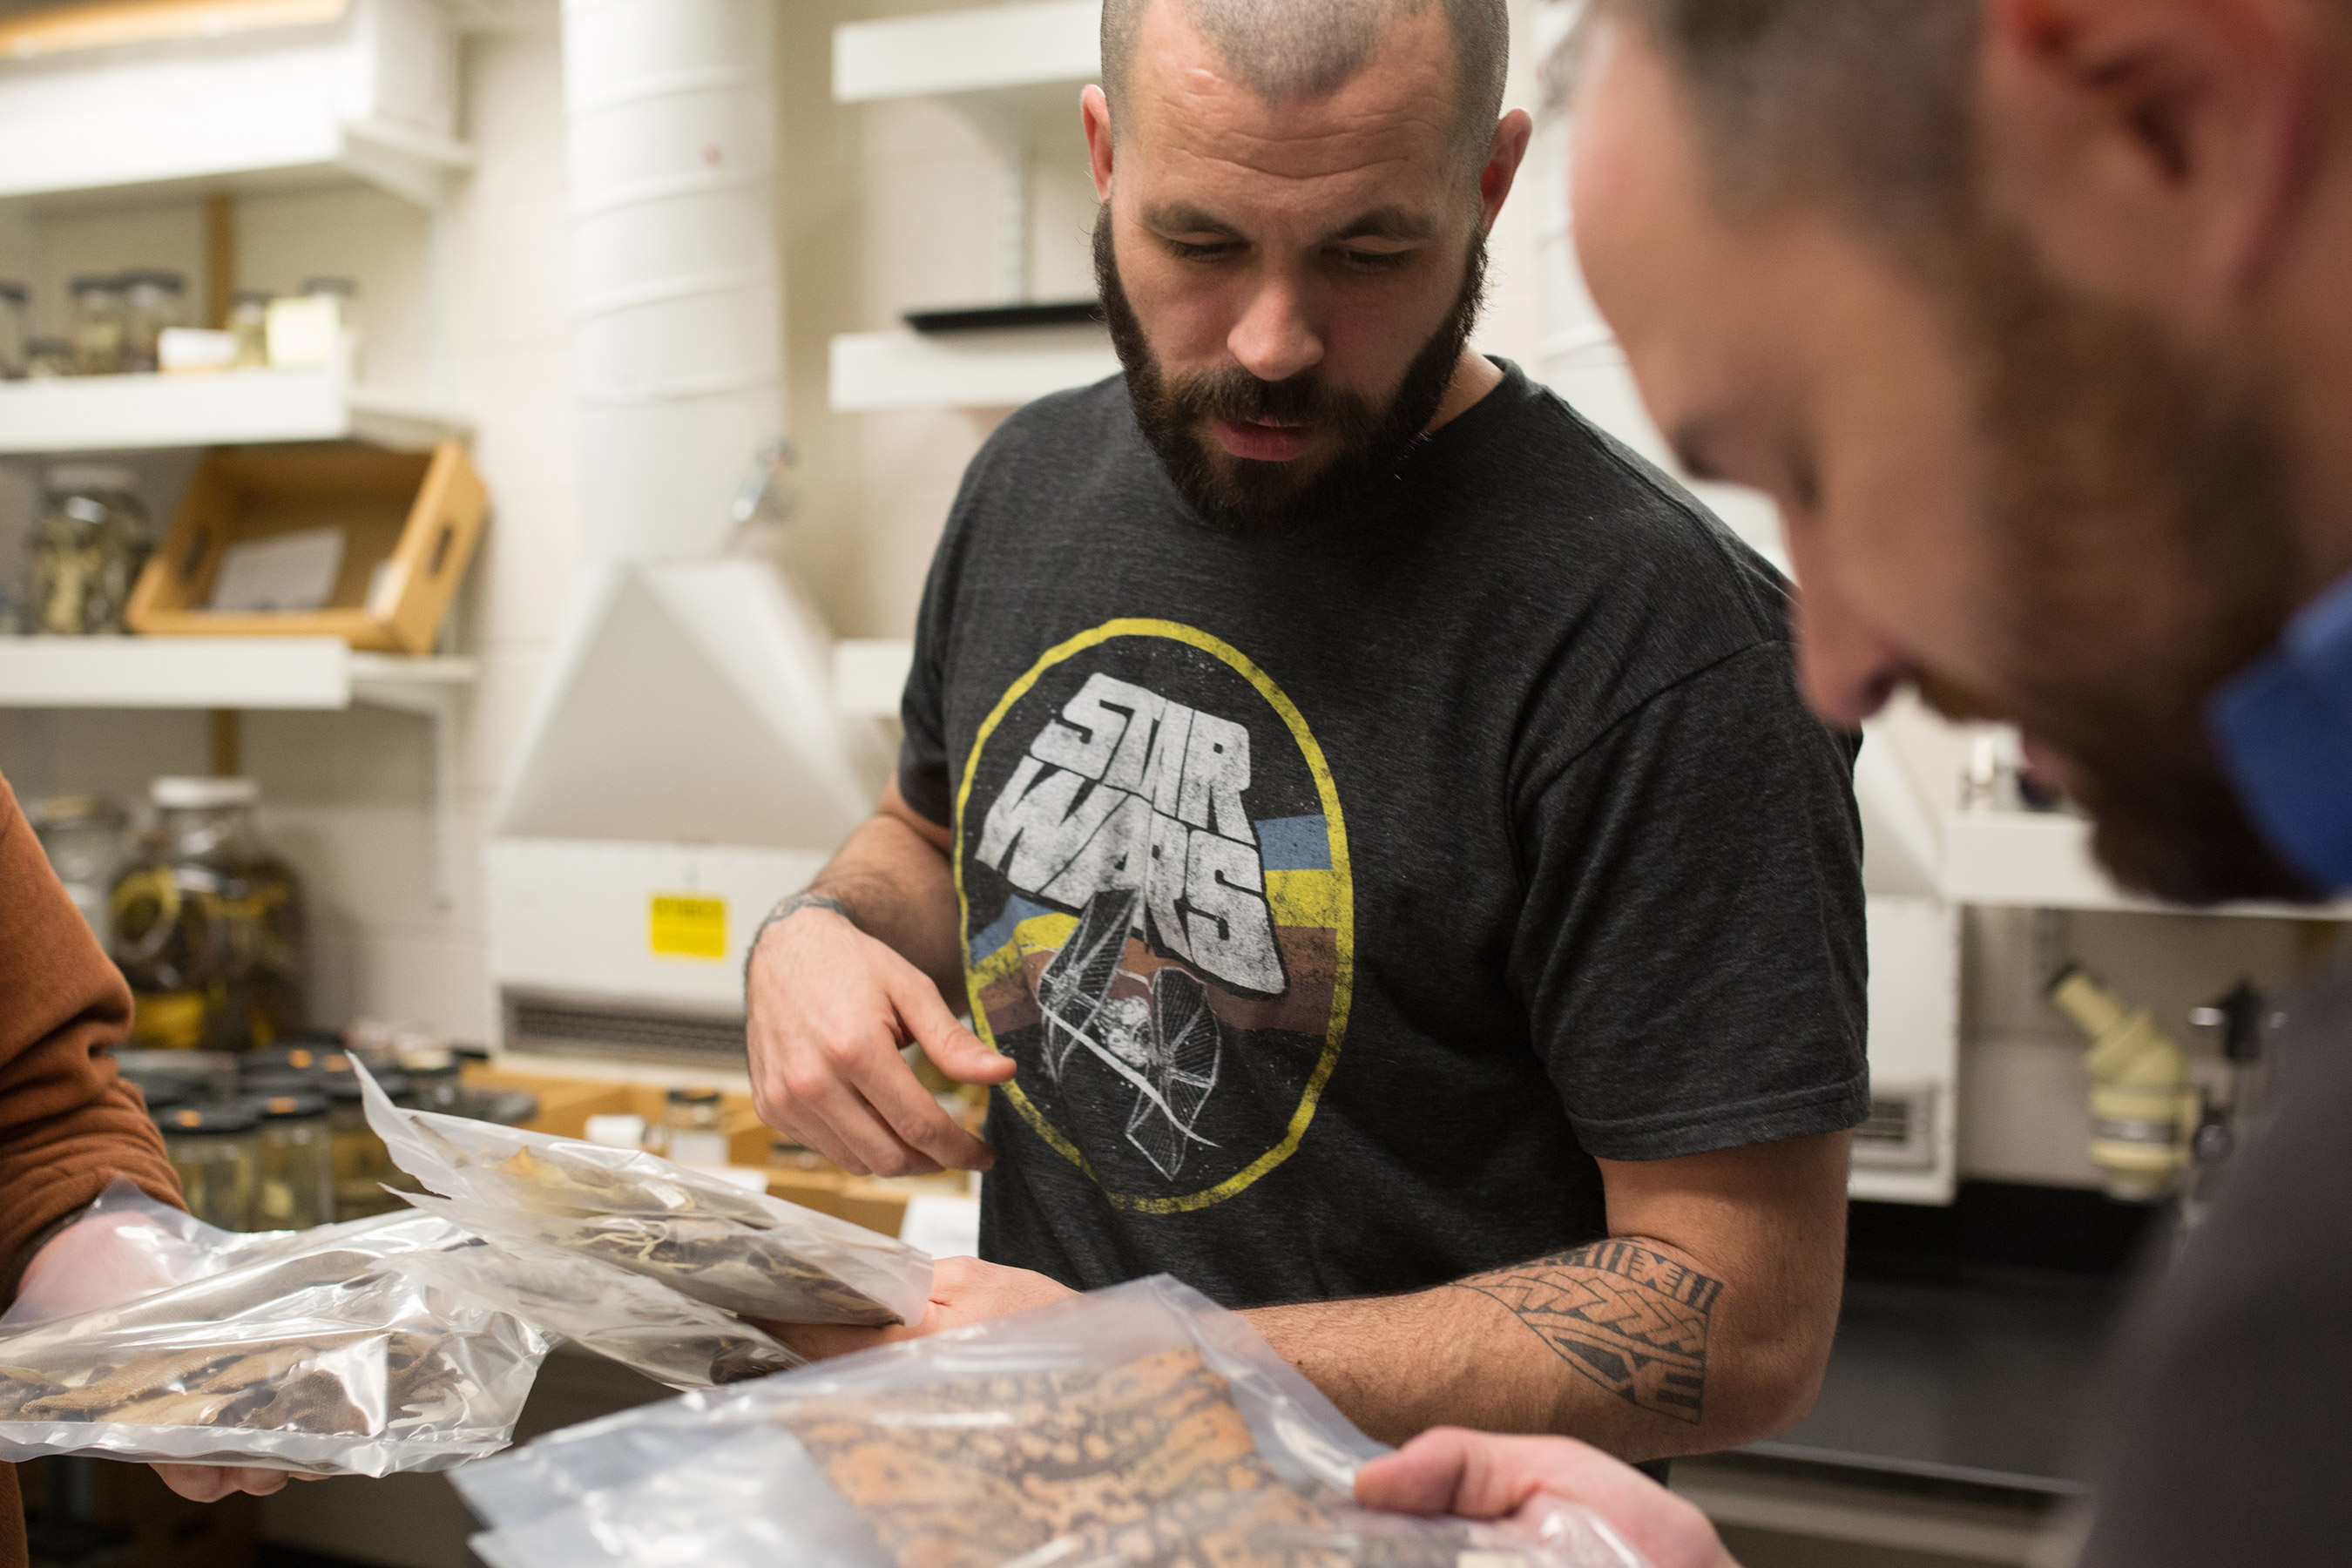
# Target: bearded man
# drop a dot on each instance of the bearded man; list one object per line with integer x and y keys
{"x": 2033, "y": 316}
{"x": 1368, "y": 813}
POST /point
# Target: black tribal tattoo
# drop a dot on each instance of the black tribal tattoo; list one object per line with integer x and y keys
{"x": 1629, "y": 1319}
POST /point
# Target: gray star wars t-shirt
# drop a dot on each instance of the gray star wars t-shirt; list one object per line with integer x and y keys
{"x": 1342, "y": 894}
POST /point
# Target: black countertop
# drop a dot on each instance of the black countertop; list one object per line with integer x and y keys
{"x": 1989, "y": 1381}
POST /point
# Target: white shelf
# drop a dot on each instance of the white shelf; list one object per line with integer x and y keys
{"x": 133, "y": 413}
{"x": 240, "y": 673}
{"x": 985, "y": 49}
{"x": 363, "y": 92}
{"x": 218, "y": 672}
{"x": 873, "y": 372}
{"x": 2034, "y": 860}
{"x": 238, "y": 157}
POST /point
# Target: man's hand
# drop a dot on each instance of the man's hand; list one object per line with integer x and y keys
{"x": 104, "y": 1260}
{"x": 1449, "y": 1470}
{"x": 963, "y": 1290}
{"x": 831, "y": 1008}
{"x": 210, "y": 1483}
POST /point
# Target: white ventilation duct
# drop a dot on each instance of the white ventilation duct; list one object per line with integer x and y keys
{"x": 684, "y": 766}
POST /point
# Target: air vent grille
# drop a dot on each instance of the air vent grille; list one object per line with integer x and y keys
{"x": 1900, "y": 1132}
{"x": 579, "y": 1027}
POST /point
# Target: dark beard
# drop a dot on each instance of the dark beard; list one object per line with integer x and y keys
{"x": 1243, "y": 497}
{"x": 2146, "y": 526}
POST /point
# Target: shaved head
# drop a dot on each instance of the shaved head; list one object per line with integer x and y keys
{"x": 1287, "y": 50}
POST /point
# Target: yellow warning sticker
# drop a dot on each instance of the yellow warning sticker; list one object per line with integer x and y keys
{"x": 687, "y": 925}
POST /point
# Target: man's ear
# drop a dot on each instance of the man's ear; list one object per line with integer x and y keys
{"x": 1095, "y": 109}
{"x": 2150, "y": 151}
{"x": 1504, "y": 156}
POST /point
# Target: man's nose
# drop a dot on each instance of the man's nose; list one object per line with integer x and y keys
{"x": 1848, "y": 669}
{"x": 1273, "y": 340}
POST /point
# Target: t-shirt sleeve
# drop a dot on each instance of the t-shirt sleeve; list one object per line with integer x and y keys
{"x": 923, "y": 714}
{"x": 923, "y": 762}
{"x": 1693, "y": 953}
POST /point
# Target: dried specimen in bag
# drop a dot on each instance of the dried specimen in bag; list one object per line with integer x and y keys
{"x": 974, "y": 1474}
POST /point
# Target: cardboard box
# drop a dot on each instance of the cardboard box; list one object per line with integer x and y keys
{"x": 409, "y": 522}
{"x": 565, "y": 1104}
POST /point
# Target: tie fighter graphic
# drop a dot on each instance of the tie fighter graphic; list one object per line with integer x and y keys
{"x": 1171, "y": 1053}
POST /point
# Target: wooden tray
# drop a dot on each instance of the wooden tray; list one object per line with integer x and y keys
{"x": 422, "y": 512}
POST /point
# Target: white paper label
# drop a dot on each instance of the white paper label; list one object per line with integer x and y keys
{"x": 287, "y": 571}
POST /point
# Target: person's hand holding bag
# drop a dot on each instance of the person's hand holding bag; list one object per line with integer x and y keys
{"x": 103, "y": 1259}
{"x": 1476, "y": 1475}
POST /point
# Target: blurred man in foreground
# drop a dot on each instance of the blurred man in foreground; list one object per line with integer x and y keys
{"x": 2033, "y": 316}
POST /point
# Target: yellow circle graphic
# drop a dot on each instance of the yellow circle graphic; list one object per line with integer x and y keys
{"x": 1344, "y": 928}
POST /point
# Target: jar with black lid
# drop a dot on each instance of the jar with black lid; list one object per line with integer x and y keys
{"x": 296, "y": 1185}
{"x": 216, "y": 1148}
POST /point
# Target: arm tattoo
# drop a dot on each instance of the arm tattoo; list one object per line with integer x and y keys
{"x": 1632, "y": 1321}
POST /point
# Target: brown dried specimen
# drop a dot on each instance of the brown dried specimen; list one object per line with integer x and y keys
{"x": 273, "y": 1387}
{"x": 716, "y": 1247}
{"x": 1146, "y": 1463}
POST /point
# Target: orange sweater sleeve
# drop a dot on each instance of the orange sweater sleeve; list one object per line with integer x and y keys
{"x": 68, "y": 1123}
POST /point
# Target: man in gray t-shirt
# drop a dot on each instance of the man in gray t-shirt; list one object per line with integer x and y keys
{"x": 1368, "y": 813}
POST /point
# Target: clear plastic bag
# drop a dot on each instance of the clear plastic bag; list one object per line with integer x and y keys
{"x": 170, "y": 1245}
{"x": 638, "y": 1322}
{"x": 311, "y": 1351}
{"x": 1135, "y": 1427}
{"x": 741, "y": 1252}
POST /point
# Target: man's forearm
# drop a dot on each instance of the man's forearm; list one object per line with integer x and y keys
{"x": 1610, "y": 1344}
{"x": 897, "y": 888}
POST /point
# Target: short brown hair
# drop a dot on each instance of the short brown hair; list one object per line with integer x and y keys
{"x": 1863, "y": 103}
{"x": 1285, "y": 49}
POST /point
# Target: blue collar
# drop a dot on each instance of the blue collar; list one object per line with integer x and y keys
{"x": 2283, "y": 725}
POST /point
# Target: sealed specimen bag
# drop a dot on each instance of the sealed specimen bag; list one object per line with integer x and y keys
{"x": 741, "y": 1252}
{"x": 639, "y": 1322}
{"x": 316, "y": 1350}
{"x": 1137, "y": 1428}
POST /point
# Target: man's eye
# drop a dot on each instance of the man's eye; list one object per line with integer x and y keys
{"x": 1373, "y": 260}
{"x": 1189, "y": 250}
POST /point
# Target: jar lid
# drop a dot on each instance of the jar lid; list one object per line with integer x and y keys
{"x": 259, "y": 1085}
{"x": 160, "y": 1093}
{"x": 202, "y": 795}
{"x": 279, "y": 1106}
{"x": 223, "y": 1116}
{"x": 76, "y": 811}
{"x": 346, "y": 1085}
{"x": 154, "y": 278}
{"x": 343, "y": 286}
{"x": 252, "y": 296}
{"x": 90, "y": 282}
{"x": 299, "y": 1058}
{"x": 694, "y": 1097}
{"x": 84, "y": 479}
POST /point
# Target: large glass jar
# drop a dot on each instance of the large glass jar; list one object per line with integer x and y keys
{"x": 84, "y": 555}
{"x": 152, "y": 301}
{"x": 295, "y": 1188}
{"x": 216, "y": 1153}
{"x": 97, "y": 325}
{"x": 15, "y": 331}
{"x": 208, "y": 927}
{"x": 86, "y": 837}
